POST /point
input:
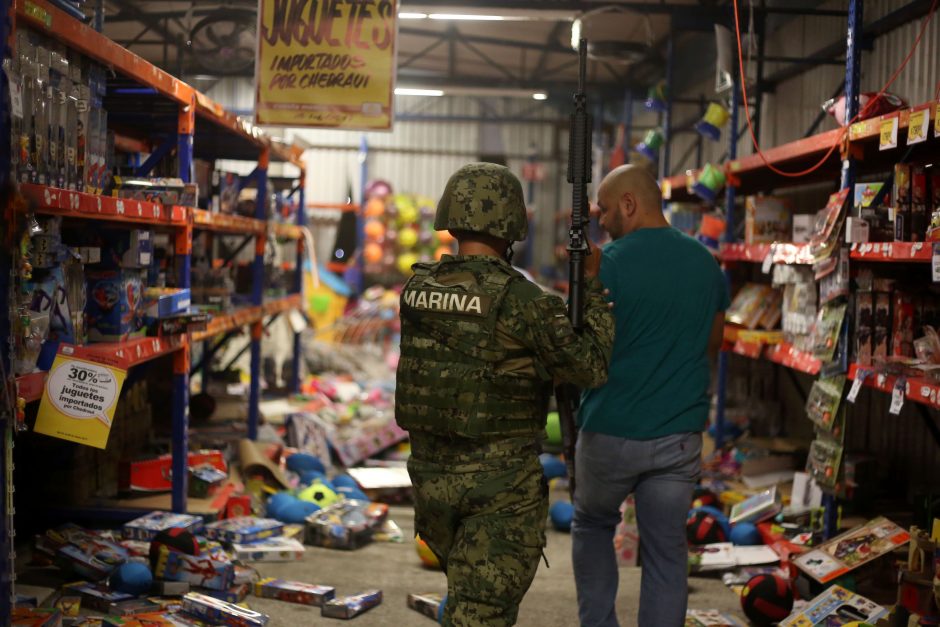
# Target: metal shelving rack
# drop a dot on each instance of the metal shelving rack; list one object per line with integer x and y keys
{"x": 186, "y": 120}
{"x": 751, "y": 174}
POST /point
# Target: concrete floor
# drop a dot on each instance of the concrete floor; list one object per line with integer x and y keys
{"x": 396, "y": 569}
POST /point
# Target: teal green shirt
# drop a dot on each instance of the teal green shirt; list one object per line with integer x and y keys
{"x": 666, "y": 289}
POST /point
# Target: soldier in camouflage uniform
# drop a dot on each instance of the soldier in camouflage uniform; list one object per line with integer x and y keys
{"x": 480, "y": 347}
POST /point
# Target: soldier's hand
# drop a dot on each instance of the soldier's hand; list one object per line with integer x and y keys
{"x": 592, "y": 262}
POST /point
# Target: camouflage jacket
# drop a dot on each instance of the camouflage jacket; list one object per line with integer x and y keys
{"x": 481, "y": 345}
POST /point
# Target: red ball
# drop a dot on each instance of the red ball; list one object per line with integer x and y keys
{"x": 703, "y": 497}
{"x": 766, "y": 599}
{"x": 175, "y": 539}
{"x": 704, "y": 528}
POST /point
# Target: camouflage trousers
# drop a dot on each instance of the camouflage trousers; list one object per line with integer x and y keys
{"x": 484, "y": 519}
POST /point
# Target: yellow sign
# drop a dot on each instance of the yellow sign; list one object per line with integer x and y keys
{"x": 936, "y": 120}
{"x": 79, "y": 400}
{"x": 917, "y": 127}
{"x": 889, "y": 134}
{"x": 326, "y": 64}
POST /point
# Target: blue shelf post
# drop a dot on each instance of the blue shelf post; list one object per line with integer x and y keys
{"x": 181, "y": 359}
{"x": 728, "y": 237}
{"x": 293, "y": 386}
{"x": 7, "y": 419}
{"x": 853, "y": 63}
{"x": 257, "y": 293}
{"x": 664, "y": 163}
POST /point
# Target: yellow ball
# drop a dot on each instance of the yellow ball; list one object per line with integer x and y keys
{"x": 426, "y": 554}
{"x": 407, "y": 237}
{"x": 407, "y": 214}
{"x": 405, "y": 262}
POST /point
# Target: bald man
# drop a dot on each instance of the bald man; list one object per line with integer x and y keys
{"x": 641, "y": 432}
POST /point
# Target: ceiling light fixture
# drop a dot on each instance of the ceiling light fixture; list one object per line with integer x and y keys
{"x": 412, "y": 16}
{"x": 412, "y": 91}
{"x": 466, "y": 17}
{"x": 540, "y": 95}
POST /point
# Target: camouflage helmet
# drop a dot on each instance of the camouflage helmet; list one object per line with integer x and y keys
{"x": 483, "y": 198}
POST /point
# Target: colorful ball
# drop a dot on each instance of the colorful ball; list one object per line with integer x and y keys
{"x": 703, "y": 497}
{"x": 277, "y": 502}
{"x": 444, "y": 237}
{"x": 320, "y": 493}
{"x": 407, "y": 213}
{"x": 561, "y": 514}
{"x": 299, "y": 462}
{"x": 405, "y": 261}
{"x": 378, "y": 187}
{"x": 375, "y": 207}
{"x": 374, "y": 230}
{"x": 372, "y": 252}
{"x": 174, "y": 539}
{"x": 407, "y": 237}
{"x": 132, "y": 578}
{"x": 746, "y": 534}
{"x": 441, "y": 251}
{"x": 296, "y": 512}
{"x": 553, "y": 429}
{"x": 552, "y": 466}
{"x": 766, "y": 599}
{"x": 706, "y": 525}
{"x": 426, "y": 554}
{"x": 344, "y": 480}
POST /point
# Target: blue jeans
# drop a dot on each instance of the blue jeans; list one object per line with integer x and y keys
{"x": 662, "y": 472}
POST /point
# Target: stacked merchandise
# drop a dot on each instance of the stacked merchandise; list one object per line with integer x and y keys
{"x": 799, "y": 304}
{"x": 399, "y": 230}
{"x": 59, "y": 125}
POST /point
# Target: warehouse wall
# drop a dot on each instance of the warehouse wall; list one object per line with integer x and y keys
{"x": 419, "y": 155}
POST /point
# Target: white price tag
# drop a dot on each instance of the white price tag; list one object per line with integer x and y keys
{"x": 768, "y": 263}
{"x": 16, "y": 98}
{"x": 935, "y": 263}
{"x": 856, "y": 387}
{"x": 897, "y": 399}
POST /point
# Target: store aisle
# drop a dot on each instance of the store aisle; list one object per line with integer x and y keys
{"x": 396, "y": 569}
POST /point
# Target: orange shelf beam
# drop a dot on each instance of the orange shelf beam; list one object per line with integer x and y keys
{"x": 788, "y": 356}
{"x": 127, "y": 354}
{"x": 227, "y": 223}
{"x": 783, "y": 253}
{"x": 898, "y": 252}
{"x": 245, "y": 316}
{"x": 52, "y": 200}
{"x": 916, "y": 390}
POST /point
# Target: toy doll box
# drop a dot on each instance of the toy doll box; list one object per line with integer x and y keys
{"x": 221, "y": 613}
{"x": 834, "y": 607}
{"x": 197, "y": 570}
{"x": 294, "y": 591}
{"x": 149, "y": 525}
{"x": 276, "y": 549}
{"x": 853, "y": 548}
{"x": 244, "y": 529}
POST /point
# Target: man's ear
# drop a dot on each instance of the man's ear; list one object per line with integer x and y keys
{"x": 627, "y": 203}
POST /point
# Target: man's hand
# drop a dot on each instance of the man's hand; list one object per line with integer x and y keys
{"x": 592, "y": 262}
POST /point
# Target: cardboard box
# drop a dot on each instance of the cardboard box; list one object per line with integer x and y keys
{"x": 276, "y": 549}
{"x": 294, "y": 591}
{"x": 864, "y": 327}
{"x": 352, "y": 606}
{"x": 856, "y": 230}
{"x": 197, "y": 570}
{"x": 126, "y": 248}
{"x": 164, "y": 302}
{"x": 36, "y": 617}
{"x": 98, "y": 597}
{"x": 425, "y": 604}
{"x": 149, "y": 525}
{"x": 835, "y": 604}
{"x": 920, "y": 201}
{"x": 222, "y": 613}
{"x": 154, "y": 474}
{"x": 347, "y": 525}
{"x": 205, "y": 480}
{"x": 235, "y": 594}
{"x": 855, "y": 547}
{"x": 757, "y": 508}
{"x": 767, "y": 219}
{"x": 244, "y": 529}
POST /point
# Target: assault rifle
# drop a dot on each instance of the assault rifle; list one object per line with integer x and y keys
{"x": 579, "y": 175}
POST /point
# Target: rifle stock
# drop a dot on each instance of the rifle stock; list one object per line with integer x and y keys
{"x": 567, "y": 395}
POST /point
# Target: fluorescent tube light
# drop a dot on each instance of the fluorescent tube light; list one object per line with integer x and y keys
{"x": 409, "y": 91}
{"x": 412, "y": 16}
{"x": 466, "y": 17}
{"x": 540, "y": 95}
